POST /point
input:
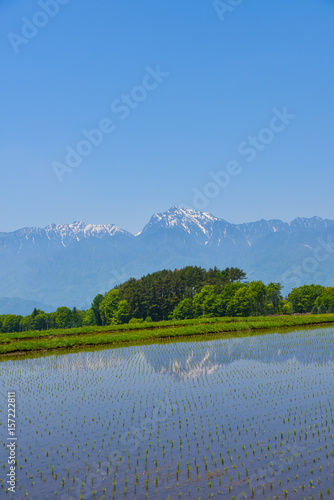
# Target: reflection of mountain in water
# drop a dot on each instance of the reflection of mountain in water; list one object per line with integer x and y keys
{"x": 191, "y": 367}
{"x": 186, "y": 360}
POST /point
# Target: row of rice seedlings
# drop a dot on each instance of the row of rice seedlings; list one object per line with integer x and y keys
{"x": 86, "y": 336}
{"x": 238, "y": 416}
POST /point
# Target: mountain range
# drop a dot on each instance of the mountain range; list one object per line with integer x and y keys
{"x": 68, "y": 264}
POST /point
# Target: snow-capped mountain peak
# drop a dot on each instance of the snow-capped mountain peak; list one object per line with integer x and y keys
{"x": 192, "y": 221}
{"x": 64, "y": 233}
{"x": 81, "y": 230}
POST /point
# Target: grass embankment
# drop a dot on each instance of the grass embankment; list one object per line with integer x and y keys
{"x": 117, "y": 335}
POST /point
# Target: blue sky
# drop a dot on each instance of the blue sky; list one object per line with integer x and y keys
{"x": 225, "y": 78}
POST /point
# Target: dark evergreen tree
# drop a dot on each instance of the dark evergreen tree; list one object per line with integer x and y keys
{"x": 96, "y": 309}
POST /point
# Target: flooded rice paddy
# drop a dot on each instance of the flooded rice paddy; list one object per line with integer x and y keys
{"x": 240, "y": 418}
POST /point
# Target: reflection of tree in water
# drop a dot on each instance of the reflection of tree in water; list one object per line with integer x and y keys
{"x": 78, "y": 362}
{"x": 91, "y": 361}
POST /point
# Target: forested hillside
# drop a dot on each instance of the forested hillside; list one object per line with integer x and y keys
{"x": 187, "y": 293}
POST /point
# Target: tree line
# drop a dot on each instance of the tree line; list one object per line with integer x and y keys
{"x": 187, "y": 293}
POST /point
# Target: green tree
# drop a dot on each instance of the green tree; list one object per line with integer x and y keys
{"x": 234, "y": 274}
{"x": 326, "y": 298}
{"x": 225, "y": 299}
{"x": 158, "y": 294}
{"x": 274, "y": 296}
{"x": 122, "y": 315}
{"x": 248, "y": 300}
{"x": 11, "y": 323}
{"x": 89, "y": 318}
{"x": 63, "y": 317}
{"x": 26, "y": 323}
{"x": 304, "y": 297}
{"x": 108, "y": 307}
{"x": 76, "y": 317}
{"x": 286, "y": 307}
{"x": 204, "y": 302}
{"x": 96, "y": 309}
{"x": 37, "y": 320}
{"x": 40, "y": 321}
{"x": 322, "y": 309}
{"x": 184, "y": 310}
{"x": 241, "y": 304}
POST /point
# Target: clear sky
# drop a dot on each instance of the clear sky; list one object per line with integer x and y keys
{"x": 198, "y": 87}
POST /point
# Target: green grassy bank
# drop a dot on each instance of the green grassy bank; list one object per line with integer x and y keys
{"x": 117, "y": 335}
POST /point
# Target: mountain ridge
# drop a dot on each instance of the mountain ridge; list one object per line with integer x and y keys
{"x": 77, "y": 228}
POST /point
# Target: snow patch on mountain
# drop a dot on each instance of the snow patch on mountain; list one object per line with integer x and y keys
{"x": 62, "y": 234}
{"x": 189, "y": 220}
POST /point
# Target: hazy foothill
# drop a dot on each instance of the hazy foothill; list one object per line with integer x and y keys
{"x": 182, "y": 294}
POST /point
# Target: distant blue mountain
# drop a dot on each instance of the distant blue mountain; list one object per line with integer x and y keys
{"x": 69, "y": 264}
{"x": 21, "y": 306}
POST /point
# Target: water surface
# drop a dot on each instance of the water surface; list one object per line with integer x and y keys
{"x": 223, "y": 418}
